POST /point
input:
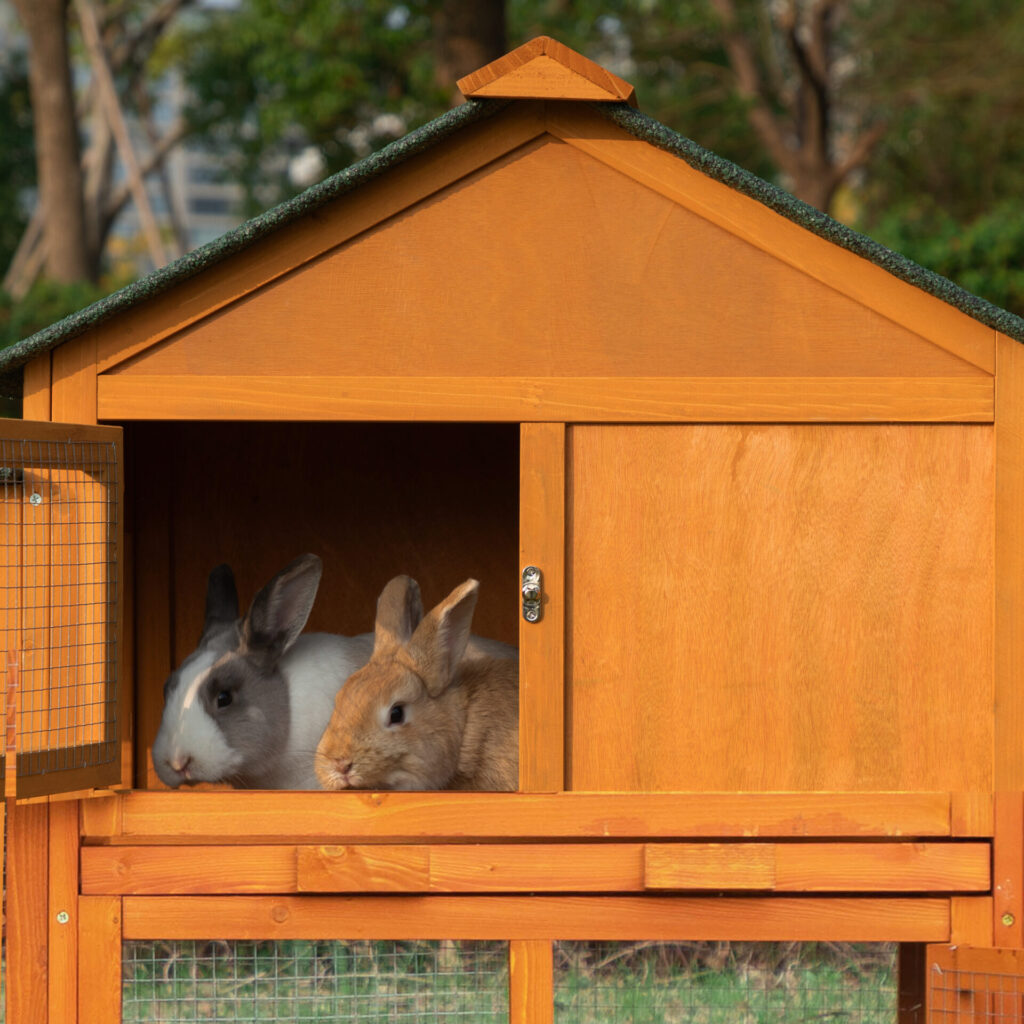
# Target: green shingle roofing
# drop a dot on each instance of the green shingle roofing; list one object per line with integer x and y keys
{"x": 632, "y": 121}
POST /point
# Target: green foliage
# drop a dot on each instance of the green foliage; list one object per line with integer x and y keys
{"x": 46, "y": 302}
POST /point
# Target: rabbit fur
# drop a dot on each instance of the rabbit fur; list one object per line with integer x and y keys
{"x": 249, "y": 705}
{"x": 434, "y": 708}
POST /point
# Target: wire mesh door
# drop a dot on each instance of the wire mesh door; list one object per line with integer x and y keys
{"x": 60, "y": 571}
{"x": 968, "y": 985}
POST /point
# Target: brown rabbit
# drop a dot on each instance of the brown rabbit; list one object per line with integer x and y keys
{"x": 433, "y": 708}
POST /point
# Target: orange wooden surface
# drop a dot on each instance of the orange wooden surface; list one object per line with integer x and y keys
{"x": 35, "y": 389}
{"x": 538, "y": 917}
{"x": 27, "y": 907}
{"x": 542, "y": 643}
{"x": 62, "y": 920}
{"x": 308, "y": 238}
{"x": 546, "y": 69}
{"x": 362, "y": 869}
{"x": 796, "y": 596}
{"x": 972, "y": 814}
{"x": 747, "y": 220}
{"x": 531, "y": 994}
{"x": 595, "y": 275}
{"x": 341, "y": 817}
{"x": 970, "y": 920}
{"x": 1008, "y": 870}
{"x": 99, "y": 962}
{"x": 1009, "y": 583}
{"x": 525, "y": 399}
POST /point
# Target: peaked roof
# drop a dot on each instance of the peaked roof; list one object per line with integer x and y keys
{"x": 639, "y": 125}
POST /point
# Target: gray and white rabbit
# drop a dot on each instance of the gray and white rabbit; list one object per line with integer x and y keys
{"x": 250, "y": 704}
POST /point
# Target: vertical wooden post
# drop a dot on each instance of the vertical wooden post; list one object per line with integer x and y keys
{"x": 27, "y": 912}
{"x": 99, "y": 964}
{"x": 1008, "y": 870}
{"x": 531, "y": 992}
{"x": 62, "y": 920}
{"x": 541, "y": 644}
{"x": 35, "y": 388}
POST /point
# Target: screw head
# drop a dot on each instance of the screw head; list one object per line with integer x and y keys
{"x": 35, "y": 498}
{"x": 1008, "y": 920}
{"x": 63, "y": 917}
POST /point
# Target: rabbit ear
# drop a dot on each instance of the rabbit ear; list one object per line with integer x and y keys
{"x": 399, "y": 611}
{"x": 280, "y": 610}
{"x": 440, "y": 640}
{"x": 221, "y": 601}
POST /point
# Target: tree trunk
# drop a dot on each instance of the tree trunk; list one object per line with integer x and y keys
{"x": 56, "y": 137}
{"x": 467, "y": 35}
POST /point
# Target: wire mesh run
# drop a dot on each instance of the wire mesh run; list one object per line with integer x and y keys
{"x": 329, "y": 981}
{"x": 58, "y": 576}
{"x": 724, "y": 983}
{"x": 972, "y": 997}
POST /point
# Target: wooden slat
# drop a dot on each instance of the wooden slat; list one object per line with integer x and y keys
{"x": 531, "y": 994}
{"x": 63, "y": 916}
{"x": 99, "y": 962}
{"x": 973, "y": 814}
{"x": 748, "y": 219}
{"x": 1008, "y": 870}
{"x": 536, "y": 917}
{"x": 710, "y": 866}
{"x": 35, "y": 401}
{"x": 303, "y": 241}
{"x": 971, "y": 920}
{"x": 541, "y": 644}
{"x": 363, "y": 869}
{"x": 343, "y": 817}
{"x": 595, "y": 399}
{"x": 73, "y": 396}
{"x": 28, "y": 839}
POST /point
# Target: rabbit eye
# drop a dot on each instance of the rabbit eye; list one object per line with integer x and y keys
{"x": 223, "y": 698}
{"x": 396, "y": 716}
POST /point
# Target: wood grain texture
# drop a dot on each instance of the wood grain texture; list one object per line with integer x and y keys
{"x": 748, "y": 220}
{"x": 1008, "y": 870}
{"x": 99, "y": 962}
{"x": 526, "y": 399}
{"x": 544, "y": 68}
{"x": 35, "y": 389}
{"x": 536, "y": 917}
{"x": 798, "y": 595}
{"x": 971, "y": 920}
{"x": 73, "y": 394}
{"x": 27, "y": 905}
{"x": 363, "y": 869}
{"x": 1009, "y": 582}
{"x": 595, "y": 276}
{"x": 531, "y": 985}
{"x": 348, "y": 817}
{"x": 62, "y": 958}
{"x": 973, "y": 814}
{"x": 542, "y": 644}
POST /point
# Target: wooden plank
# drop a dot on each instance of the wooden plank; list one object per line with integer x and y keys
{"x": 63, "y": 912}
{"x": 972, "y": 814}
{"x": 101, "y": 816}
{"x": 825, "y": 604}
{"x": 910, "y": 973}
{"x": 819, "y": 867}
{"x": 544, "y": 68}
{"x": 538, "y": 399}
{"x": 73, "y": 398}
{"x": 1009, "y": 582}
{"x": 348, "y": 817}
{"x": 749, "y": 220}
{"x": 363, "y": 868}
{"x": 971, "y": 920}
{"x": 538, "y": 917}
{"x": 1008, "y": 870}
{"x": 309, "y": 238}
{"x": 531, "y": 985}
{"x": 28, "y": 909}
{"x": 541, "y": 643}
{"x": 159, "y": 870}
{"x": 99, "y": 963}
{"x": 35, "y": 400}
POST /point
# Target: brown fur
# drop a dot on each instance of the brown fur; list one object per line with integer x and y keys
{"x": 460, "y": 709}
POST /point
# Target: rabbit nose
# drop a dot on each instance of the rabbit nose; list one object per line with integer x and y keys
{"x": 343, "y": 768}
{"x": 181, "y": 765}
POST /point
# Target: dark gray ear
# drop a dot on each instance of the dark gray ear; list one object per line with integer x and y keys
{"x": 399, "y": 611}
{"x": 280, "y": 610}
{"x": 221, "y": 600}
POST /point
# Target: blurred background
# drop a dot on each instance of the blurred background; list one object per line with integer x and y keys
{"x": 134, "y": 130}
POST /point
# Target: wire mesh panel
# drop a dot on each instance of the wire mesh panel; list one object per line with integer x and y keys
{"x": 364, "y": 982}
{"x": 975, "y": 986}
{"x": 59, "y": 530}
{"x": 724, "y": 983}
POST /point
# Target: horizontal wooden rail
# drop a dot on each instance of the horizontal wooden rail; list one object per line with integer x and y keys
{"x": 557, "y": 867}
{"x": 354, "y": 816}
{"x": 670, "y": 918}
{"x": 530, "y": 399}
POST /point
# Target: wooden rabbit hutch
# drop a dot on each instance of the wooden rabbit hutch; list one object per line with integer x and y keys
{"x": 772, "y": 476}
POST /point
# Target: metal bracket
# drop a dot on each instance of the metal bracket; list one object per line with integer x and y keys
{"x": 531, "y": 589}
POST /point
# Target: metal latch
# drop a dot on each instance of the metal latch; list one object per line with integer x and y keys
{"x": 531, "y": 593}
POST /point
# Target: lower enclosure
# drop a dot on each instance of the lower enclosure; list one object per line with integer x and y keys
{"x": 430, "y": 981}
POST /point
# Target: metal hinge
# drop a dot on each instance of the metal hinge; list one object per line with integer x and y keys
{"x": 531, "y": 589}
